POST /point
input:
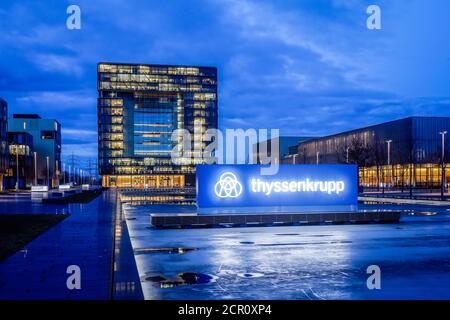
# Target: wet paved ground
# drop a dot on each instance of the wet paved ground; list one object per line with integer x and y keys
{"x": 127, "y": 285}
{"x": 85, "y": 239}
{"x": 307, "y": 262}
{"x": 304, "y": 262}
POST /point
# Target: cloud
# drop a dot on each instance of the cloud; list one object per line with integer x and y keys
{"x": 57, "y": 63}
{"x": 61, "y": 100}
{"x": 328, "y": 40}
{"x": 82, "y": 151}
{"x": 78, "y": 136}
{"x": 75, "y": 132}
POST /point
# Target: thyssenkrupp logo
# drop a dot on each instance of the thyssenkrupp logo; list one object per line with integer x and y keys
{"x": 228, "y": 186}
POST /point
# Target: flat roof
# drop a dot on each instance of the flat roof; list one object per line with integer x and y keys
{"x": 156, "y": 65}
{"x": 372, "y": 126}
{"x": 26, "y": 116}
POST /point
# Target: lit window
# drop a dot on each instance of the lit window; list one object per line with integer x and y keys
{"x": 47, "y": 134}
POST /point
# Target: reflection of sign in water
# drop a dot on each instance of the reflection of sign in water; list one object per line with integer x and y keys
{"x": 228, "y": 186}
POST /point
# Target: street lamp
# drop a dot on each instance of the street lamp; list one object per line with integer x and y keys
{"x": 48, "y": 171}
{"x": 389, "y": 159}
{"x": 56, "y": 173}
{"x": 35, "y": 168}
{"x": 17, "y": 168}
{"x": 443, "y": 133}
{"x": 317, "y": 157}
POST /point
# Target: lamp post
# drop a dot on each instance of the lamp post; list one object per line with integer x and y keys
{"x": 443, "y": 133}
{"x": 56, "y": 173}
{"x": 17, "y": 168}
{"x": 389, "y": 160}
{"x": 35, "y": 168}
{"x": 317, "y": 157}
{"x": 48, "y": 171}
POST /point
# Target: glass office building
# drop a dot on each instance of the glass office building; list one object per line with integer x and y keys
{"x": 401, "y": 153}
{"x": 139, "y": 106}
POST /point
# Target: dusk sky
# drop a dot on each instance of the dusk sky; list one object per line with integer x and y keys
{"x": 308, "y": 67}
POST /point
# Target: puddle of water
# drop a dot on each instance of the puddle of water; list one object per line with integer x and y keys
{"x": 302, "y": 243}
{"x": 250, "y": 275}
{"x": 426, "y": 213}
{"x": 155, "y": 278}
{"x": 318, "y": 235}
{"x": 195, "y": 278}
{"x": 182, "y": 279}
{"x": 163, "y": 250}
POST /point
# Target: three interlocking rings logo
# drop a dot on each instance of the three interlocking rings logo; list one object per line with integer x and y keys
{"x": 228, "y": 186}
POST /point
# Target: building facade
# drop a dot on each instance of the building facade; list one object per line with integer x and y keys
{"x": 21, "y": 160}
{"x": 46, "y": 136}
{"x": 400, "y": 153}
{"x": 287, "y": 148}
{"x": 139, "y": 106}
{"x": 4, "y": 157}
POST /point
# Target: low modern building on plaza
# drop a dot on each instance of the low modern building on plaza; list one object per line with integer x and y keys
{"x": 139, "y": 106}
{"x": 400, "y": 153}
{"x": 4, "y": 157}
{"x": 46, "y": 142}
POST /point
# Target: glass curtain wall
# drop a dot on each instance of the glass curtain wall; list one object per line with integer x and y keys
{"x": 139, "y": 107}
{"x": 400, "y": 154}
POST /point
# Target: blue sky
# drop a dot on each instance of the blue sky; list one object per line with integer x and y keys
{"x": 308, "y": 67}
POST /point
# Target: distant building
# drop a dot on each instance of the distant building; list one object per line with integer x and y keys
{"x": 21, "y": 159}
{"x": 287, "y": 148}
{"x": 401, "y": 153}
{"x": 4, "y": 157}
{"x": 46, "y": 134}
{"x": 139, "y": 106}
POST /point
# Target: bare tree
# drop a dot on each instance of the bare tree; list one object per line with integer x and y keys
{"x": 340, "y": 154}
{"x": 359, "y": 153}
{"x": 379, "y": 160}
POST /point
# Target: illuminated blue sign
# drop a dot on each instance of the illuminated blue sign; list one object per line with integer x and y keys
{"x": 323, "y": 187}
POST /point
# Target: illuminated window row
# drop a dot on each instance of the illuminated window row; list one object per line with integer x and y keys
{"x": 161, "y": 87}
{"x": 113, "y": 77}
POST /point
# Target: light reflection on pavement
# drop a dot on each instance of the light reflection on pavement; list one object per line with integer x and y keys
{"x": 300, "y": 262}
